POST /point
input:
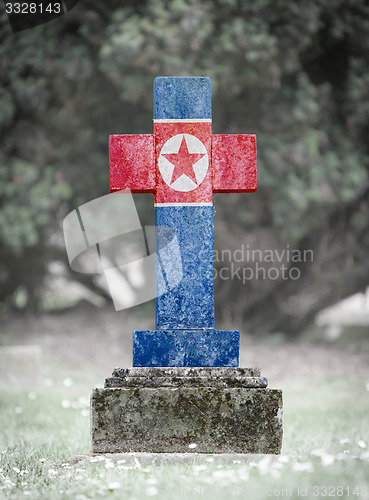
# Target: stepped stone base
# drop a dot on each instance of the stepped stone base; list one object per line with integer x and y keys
{"x": 165, "y": 410}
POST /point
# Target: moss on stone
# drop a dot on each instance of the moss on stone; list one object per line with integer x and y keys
{"x": 218, "y": 420}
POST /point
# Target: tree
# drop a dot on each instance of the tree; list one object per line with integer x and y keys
{"x": 296, "y": 75}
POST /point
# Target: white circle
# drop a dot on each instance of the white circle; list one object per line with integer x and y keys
{"x": 166, "y": 168}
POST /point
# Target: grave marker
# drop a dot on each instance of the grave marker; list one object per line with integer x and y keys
{"x": 182, "y": 163}
{"x": 185, "y": 391}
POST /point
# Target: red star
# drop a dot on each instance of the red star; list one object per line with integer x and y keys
{"x": 183, "y": 162}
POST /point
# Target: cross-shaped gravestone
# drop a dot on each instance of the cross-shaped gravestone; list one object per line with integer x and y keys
{"x": 215, "y": 406}
{"x": 183, "y": 164}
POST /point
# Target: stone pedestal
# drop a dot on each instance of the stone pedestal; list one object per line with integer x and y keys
{"x": 165, "y": 410}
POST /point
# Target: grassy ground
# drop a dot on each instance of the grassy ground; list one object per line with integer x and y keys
{"x": 326, "y": 431}
{"x": 325, "y": 425}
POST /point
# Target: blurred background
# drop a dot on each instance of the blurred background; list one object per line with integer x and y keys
{"x": 296, "y": 74}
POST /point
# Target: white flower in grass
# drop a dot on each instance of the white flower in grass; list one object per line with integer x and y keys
{"x": 15, "y": 469}
{"x": 192, "y": 446}
{"x": 32, "y": 396}
{"x": 42, "y": 460}
{"x": 122, "y": 461}
{"x": 65, "y": 403}
{"x": 318, "y": 453}
{"x": 303, "y": 467}
{"x": 264, "y": 464}
{"x": 219, "y": 474}
{"x": 152, "y": 491}
{"x": 26, "y": 492}
{"x": 277, "y": 465}
{"x": 152, "y": 480}
{"x": 243, "y": 474}
{"x": 367, "y": 386}
{"x": 344, "y": 440}
{"x": 275, "y": 473}
{"x": 8, "y": 482}
{"x": 52, "y": 472}
{"x": 361, "y": 444}
{"x": 84, "y": 402}
{"x": 210, "y": 459}
{"x": 94, "y": 459}
{"x": 327, "y": 460}
{"x": 341, "y": 456}
{"x": 200, "y": 467}
{"x": 67, "y": 382}
{"x": 85, "y": 413}
{"x": 18, "y": 410}
{"x": 109, "y": 465}
{"x": 114, "y": 485}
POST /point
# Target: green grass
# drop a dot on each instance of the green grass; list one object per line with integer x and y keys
{"x": 325, "y": 429}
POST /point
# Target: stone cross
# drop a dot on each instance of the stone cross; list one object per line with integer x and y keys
{"x": 183, "y": 164}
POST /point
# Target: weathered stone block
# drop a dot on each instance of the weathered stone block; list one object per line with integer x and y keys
{"x": 130, "y": 417}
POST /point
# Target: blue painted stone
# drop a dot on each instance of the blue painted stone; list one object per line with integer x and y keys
{"x": 191, "y": 303}
{"x": 177, "y": 97}
{"x": 186, "y": 348}
{"x": 185, "y": 334}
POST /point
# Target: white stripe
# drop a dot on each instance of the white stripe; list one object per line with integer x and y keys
{"x": 204, "y": 204}
{"x": 183, "y": 120}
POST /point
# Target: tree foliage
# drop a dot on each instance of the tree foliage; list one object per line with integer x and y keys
{"x": 294, "y": 73}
